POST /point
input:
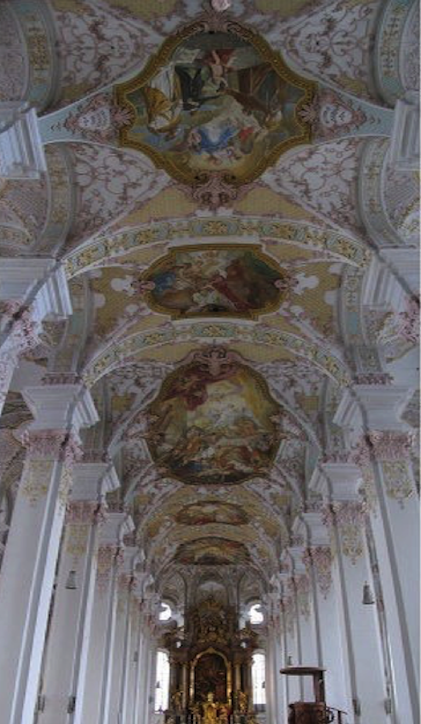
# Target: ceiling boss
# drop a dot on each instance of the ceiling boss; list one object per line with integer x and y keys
{"x": 215, "y": 104}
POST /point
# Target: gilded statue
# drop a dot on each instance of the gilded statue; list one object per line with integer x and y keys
{"x": 176, "y": 700}
{"x": 224, "y": 714}
{"x": 242, "y": 702}
{"x": 196, "y": 714}
{"x": 209, "y": 711}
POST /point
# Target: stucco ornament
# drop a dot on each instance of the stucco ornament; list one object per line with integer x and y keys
{"x": 220, "y": 5}
{"x": 349, "y": 518}
{"x": 320, "y": 558}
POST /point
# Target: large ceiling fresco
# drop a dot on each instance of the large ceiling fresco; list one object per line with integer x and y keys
{"x": 215, "y": 101}
{"x": 214, "y": 421}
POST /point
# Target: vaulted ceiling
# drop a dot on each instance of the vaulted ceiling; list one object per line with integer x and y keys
{"x": 210, "y": 185}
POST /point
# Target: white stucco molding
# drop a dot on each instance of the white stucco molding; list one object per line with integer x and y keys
{"x": 21, "y": 149}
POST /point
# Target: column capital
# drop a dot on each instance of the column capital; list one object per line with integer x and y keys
{"x": 344, "y": 480}
{"x": 296, "y": 553}
{"x": 129, "y": 560}
{"x": 61, "y": 445}
{"x": 318, "y": 534}
{"x": 92, "y": 481}
{"x": 405, "y": 260}
{"x": 115, "y": 528}
{"x": 60, "y": 406}
{"x": 42, "y": 282}
{"x": 382, "y": 405}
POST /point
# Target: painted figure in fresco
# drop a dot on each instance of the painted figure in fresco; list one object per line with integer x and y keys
{"x": 228, "y": 281}
{"x": 207, "y": 512}
{"x": 215, "y": 103}
{"x": 213, "y": 427}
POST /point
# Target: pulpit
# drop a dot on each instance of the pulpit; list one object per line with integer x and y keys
{"x": 309, "y": 712}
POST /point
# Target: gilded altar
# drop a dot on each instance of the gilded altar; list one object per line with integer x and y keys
{"x": 211, "y": 666}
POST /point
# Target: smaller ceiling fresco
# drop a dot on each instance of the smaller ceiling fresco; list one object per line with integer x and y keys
{"x": 215, "y": 280}
{"x": 215, "y": 101}
{"x": 213, "y": 421}
{"x": 212, "y": 552}
{"x": 211, "y": 511}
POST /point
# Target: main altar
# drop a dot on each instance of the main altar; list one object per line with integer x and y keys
{"x": 210, "y": 675}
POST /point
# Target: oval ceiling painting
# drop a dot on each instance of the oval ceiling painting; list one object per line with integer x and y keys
{"x": 212, "y": 552}
{"x": 215, "y": 101}
{"x": 211, "y": 511}
{"x": 214, "y": 421}
{"x": 215, "y": 280}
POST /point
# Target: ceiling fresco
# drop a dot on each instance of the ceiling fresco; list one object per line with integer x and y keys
{"x": 210, "y": 280}
{"x": 212, "y": 552}
{"x": 213, "y": 421}
{"x": 211, "y": 511}
{"x": 215, "y": 101}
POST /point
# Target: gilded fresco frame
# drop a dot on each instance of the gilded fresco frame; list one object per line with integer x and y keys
{"x": 249, "y": 314}
{"x": 163, "y": 56}
{"x": 210, "y": 650}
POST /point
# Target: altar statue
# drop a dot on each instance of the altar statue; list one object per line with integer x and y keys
{"x": 242, "y": 701}
{"x": 209, "y": 711}
{"x": 176, "y": 701}
{"x": 224, "y": 714}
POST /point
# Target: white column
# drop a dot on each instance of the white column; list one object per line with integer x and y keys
{"x": 138, "y": 677}
{"x": 143, "y": 680}
{"x": 29, "y": 293}
{"x": 301, "y": 592}
{"x": 67, "y": 646}
{"x": 318, "y": 561}
{"x": 360, "y": 626}
{"x": 150, "y": 704}
{"x": 384, "y": 457}
{"x": 120, "y": 659}
{"x": 132, "y": 661}
{"x": 275, "y": 699}
{"x": 30, "y": 558}
{"x": 95, "y": 702}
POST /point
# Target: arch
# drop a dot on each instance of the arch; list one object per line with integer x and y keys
{"x": 209, "y": 332}
{"x": 345, "y": 247}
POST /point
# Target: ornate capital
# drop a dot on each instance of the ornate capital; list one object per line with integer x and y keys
{"x": 299, "y": 586}
{"x": 391, "y": 445}
{"x": 383, "y": 445}
{"x": 320, "y": 559}
{"x": 57, "y": 445}
{"x": 373, "y": 378}
{"x": 349, "y": 518}
{"x": 106, "y": 558}
{"x": 81, "y": 512}
{"x": 24, "y": 330}
{"x": 125, "y": 582}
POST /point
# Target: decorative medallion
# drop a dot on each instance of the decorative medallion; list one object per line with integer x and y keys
{"x": 215, "y": 280}
{"x": 207, "y": 512}
{"x": 215, "y": 101}
{"x": 212, "y": 552}
{"x": 213, "y": 421}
